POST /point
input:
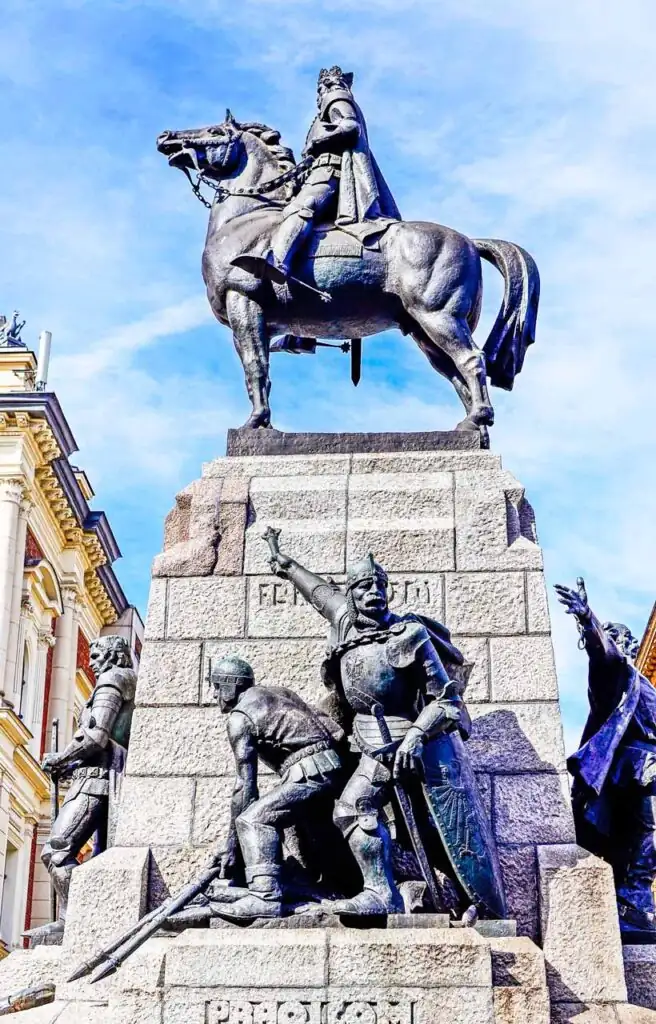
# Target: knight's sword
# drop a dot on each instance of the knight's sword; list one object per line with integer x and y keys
{"x": 408, "y": 814}
{"x": 356, "y": 360}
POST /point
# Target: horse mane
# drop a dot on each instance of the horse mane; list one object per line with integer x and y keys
{"x": 271, "y": 138}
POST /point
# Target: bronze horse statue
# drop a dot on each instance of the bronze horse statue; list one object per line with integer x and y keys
{"x": 421, "y": 277}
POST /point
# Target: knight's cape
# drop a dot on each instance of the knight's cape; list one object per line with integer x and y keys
{"x": 363, "y": 192}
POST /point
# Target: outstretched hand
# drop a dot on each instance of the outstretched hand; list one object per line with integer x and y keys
{"x": 575, "y": 601}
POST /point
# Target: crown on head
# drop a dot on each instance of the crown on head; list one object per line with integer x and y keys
{"x": 335, "y": 73}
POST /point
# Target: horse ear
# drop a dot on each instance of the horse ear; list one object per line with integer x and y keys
{"x": 229, "y": 119}
{"x": 348, "y": 78}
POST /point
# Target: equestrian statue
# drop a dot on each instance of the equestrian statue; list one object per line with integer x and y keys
{"x": 318, "y": 249}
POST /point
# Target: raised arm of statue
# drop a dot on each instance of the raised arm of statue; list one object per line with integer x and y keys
{"x": 324, "y": 595}
{"x": 598, "y": 644}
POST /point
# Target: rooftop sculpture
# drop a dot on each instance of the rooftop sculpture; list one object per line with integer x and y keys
{"x": 319, "y": 249}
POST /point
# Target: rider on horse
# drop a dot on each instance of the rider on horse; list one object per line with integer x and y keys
{"x": 343, "y": 182}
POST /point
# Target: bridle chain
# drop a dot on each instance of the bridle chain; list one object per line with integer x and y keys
{"x": 221, "y": 192}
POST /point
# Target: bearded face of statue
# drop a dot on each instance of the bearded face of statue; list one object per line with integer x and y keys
{"x": 367, "y": 602}
{"x": 624, "y": 638}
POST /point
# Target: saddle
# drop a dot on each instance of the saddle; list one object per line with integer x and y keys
{"x": 346, "y": 240}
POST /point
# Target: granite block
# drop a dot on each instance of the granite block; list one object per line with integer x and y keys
{"x": 169, "y": 741}
{"x": 580, "y": 929}
{"x": 107, "y": 896}
{"x": 523, "y": 668}
{"x": 533, "y": 809}
{"x": 295, "y": 664}
{"x": 256, "y": 958}
{"x": 155, "y": 625}
{"x": 169, "y": 672}
{"x": 519, "y": 868}
{"x": 515, "y": 738}
{"x": 538, "y": 605}
{"x": 487, "y": 603}
{"x": 155, "y": 811}
{"x": 206, "y": 607}
{"x": 408, "y": 957}
{"x": 640, "y": 974}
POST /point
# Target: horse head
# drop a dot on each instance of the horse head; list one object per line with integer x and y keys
{"x": 215, "y": 150}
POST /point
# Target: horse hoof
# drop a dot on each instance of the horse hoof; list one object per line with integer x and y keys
{"x": 257, "y": 421}
{"x": 467, "y": 424}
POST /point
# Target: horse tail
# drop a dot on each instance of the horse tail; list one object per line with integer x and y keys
{"x": 514, "y": 327}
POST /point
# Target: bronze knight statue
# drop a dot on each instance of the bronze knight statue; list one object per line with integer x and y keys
{"x": 93, "y": 762}
{"x": 318, "y": 250}
{"x": 390, "y": 688}
{"x": 614, "y": 769}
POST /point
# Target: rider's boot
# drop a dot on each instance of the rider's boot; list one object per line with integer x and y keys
{"x": 292, "y": 232}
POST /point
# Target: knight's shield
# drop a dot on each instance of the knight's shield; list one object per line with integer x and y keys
{"x": 457, "y": 812}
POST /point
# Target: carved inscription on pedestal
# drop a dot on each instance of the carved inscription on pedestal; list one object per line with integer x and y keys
{"x": 415, "y": 592}
{"x": 276, "y": 1011}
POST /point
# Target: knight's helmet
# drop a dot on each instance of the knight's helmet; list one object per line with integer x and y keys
{"x": 366, "y": 569}
{"x": 231, "y": 676}
{"x": 627, "y": 643}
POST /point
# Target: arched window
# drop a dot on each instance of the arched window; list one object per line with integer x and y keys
{"x": 25, "y": 679}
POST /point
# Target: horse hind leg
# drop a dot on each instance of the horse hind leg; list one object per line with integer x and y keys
{"x": 452, "y": 335}
{"x": 443, "y": 366}
{"x": 251, "y": 341}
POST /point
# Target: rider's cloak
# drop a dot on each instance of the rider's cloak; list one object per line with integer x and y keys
{"x": 363, "y": 192}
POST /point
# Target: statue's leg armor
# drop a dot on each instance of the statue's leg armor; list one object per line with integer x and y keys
{"x": 259, "y": 829}
{"x": 357, "y": 815}
{"x": 296, "y": 225}
{"x": 636, "y": 889}
{"x": 75, "y": 824}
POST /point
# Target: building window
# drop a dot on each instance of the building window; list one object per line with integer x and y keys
{"x": 25, "y": 680}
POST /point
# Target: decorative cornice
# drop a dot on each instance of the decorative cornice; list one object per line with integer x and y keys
{"x": 100, "y": 598}
{"x": 42, "y": 405}
{"x": 646, "y": 660}
{"x": 40, "y": 415}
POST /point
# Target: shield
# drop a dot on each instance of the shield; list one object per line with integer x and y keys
{"x": 457, "y": 812}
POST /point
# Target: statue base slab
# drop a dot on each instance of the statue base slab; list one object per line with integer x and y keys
{"x": 275, "y": 442}
{"x": 316, "y": 976}
{"x": 640, "y": 972}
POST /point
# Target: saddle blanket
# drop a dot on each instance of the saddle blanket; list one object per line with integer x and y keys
{"x": 330, "y": 241}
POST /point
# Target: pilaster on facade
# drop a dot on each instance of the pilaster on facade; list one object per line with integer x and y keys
{"x": 12, "y": 491}
{"x": 12, "y": 676}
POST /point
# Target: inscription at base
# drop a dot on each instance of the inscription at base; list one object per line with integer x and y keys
{"x": 276, "y": 1011}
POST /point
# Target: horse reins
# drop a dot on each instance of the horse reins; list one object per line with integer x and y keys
{"x": 221, "y": 193}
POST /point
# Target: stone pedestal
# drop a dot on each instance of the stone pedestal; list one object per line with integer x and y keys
{"x": 457, "y": 536}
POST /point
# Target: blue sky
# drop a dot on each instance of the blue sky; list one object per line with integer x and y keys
{"x": 521, "y": 119}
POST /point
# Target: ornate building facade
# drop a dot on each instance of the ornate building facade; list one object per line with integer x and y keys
{"x": 646, "y": 660}
{"x": 58, "y": 592}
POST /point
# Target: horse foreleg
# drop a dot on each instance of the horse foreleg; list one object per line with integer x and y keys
{"x": 251, "y": 340}
{"x": 452, "y": 335}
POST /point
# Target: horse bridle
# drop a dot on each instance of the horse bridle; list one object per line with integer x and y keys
{"x": 221, "y": 192}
